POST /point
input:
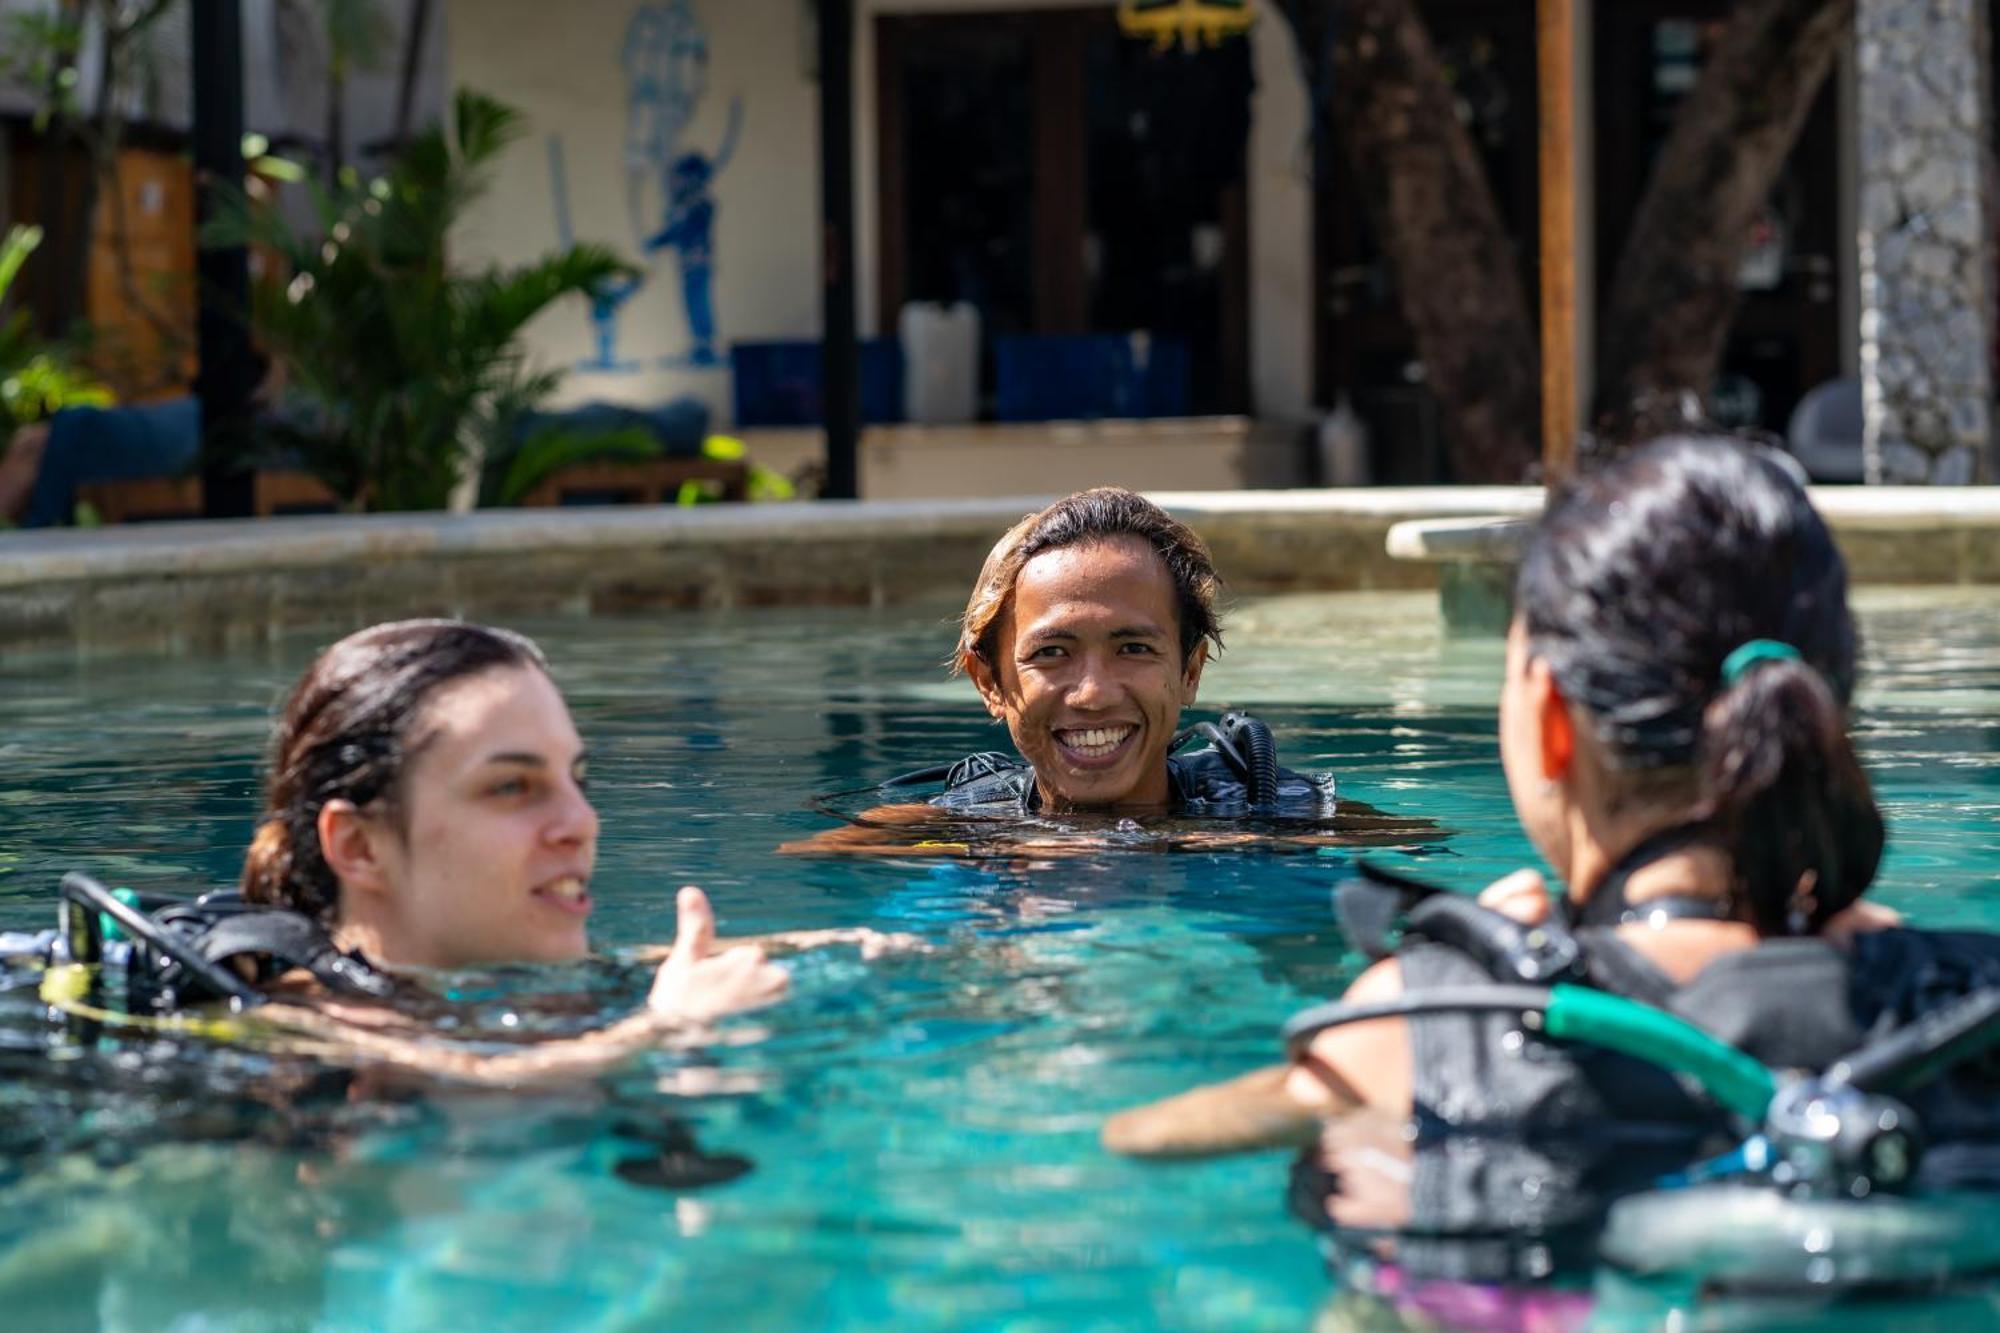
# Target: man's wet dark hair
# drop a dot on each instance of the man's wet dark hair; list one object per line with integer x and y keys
{"x": 348, "y": 732}
{"x": 1641, "y": 580}
{"x": 1104, "y": 513}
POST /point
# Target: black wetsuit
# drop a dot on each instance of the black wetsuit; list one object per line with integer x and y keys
{"x": 1201, "y": 784}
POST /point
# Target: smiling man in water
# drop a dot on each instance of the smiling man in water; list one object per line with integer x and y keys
{"x": 1086, "y": 634}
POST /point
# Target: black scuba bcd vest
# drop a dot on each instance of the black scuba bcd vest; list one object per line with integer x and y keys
{"x": 1793, "y": 1003}
{"x": 1234, "y": 775}
{"x": 185, "y": 951}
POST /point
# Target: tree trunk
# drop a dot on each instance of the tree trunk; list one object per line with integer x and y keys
{"x": 1673, "y": 295}
{"x": 57, "y": 300}
{"x": 336, "y": 121}
{"x": 1376, "y": 77}
{"x": 406, "y": 82}
{"x": 73, "y": 276}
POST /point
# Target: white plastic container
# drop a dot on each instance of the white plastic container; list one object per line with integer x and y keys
{"x": 1343, "y": 446}
{"x": 940, "y": 362}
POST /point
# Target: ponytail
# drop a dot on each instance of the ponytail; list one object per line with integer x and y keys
{"x": 276, "y": 874}
{"x": 1788, "y": 798}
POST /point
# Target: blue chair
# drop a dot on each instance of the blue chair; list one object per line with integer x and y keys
{"x": 778, "y": 383}
{"x": 111, "y": 444}
{"x": 1081, "y": 377}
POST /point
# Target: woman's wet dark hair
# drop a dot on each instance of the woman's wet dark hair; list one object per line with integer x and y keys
{"x": 348, "y": 732}
{"x": 1640, "y": 581}
{"x": 1104, "y": 513}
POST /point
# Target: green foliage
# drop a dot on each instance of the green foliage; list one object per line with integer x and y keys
{"x": 403, "y": 367}
{"x": 358, "y": 34}
{"x": 37, "y": 378}
{"x": 40, "y": 51}
{"x": 513, "y": 472}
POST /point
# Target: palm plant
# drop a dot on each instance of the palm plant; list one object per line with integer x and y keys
{"x": 37, "y": 378}
{"x": 402, "y": 367}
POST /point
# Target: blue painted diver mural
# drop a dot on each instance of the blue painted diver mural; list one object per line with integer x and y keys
{"x": 665, "y": 60}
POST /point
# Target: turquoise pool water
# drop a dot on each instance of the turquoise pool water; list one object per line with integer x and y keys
{"x": 920, "y": 1131}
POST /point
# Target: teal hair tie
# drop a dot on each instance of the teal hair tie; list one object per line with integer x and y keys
{"x": 1739, "y": 663}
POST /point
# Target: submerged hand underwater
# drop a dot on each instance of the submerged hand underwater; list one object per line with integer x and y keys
{"x": 1709, "y": 984}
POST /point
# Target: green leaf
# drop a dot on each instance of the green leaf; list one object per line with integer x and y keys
{"x": 401, "y": 363}
{"x": 553, "y": 448}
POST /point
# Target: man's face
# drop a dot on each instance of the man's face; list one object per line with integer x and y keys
{"x": 1087, "y": 673}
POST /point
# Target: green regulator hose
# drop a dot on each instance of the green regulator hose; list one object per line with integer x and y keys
{"x": 1578, "y": 1014}
{"x": 1738, "y": 1081}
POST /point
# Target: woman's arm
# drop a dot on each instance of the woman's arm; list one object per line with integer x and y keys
{"x": 872, "y": 943}
{"x": 345, "y": 1033}
{"x": 695, "y": 985}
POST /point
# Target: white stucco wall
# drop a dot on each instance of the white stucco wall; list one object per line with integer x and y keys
{"x": 561, "y": 65}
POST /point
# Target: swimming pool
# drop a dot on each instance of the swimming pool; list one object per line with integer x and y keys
{"x": 920, "y": 1131}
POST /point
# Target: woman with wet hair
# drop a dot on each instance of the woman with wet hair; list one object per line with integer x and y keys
{"x": 426, "y": 807}
{"x": 1673, "y": 732}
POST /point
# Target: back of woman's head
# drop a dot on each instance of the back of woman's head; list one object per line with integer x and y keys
{"x": 1642, "y": 583}
{"x": 348, "y": 732}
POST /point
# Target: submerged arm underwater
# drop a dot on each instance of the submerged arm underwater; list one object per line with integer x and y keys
{"x": 914, "y": 830}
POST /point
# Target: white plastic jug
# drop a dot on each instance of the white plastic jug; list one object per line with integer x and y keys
{"x": 1343, "y": 446}
{"x": 940, "y": 362}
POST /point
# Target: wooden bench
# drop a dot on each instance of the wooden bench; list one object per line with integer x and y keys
{"x": 650, "y": 481}
{"x": 154, "y": 499}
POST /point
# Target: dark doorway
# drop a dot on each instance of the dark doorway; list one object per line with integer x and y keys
{"x": 1066, "y": 179}
{"x": 965, "y": 221}
{"x": 1362, "y": 348}
{"x": 1786, "y": 335}
{"x": 1166, "y": 246}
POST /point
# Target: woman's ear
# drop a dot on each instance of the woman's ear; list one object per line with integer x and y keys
{"x": 1557, "y": 725}
{"x": 352, "y": 844}
{"x": 1191, "y": 673}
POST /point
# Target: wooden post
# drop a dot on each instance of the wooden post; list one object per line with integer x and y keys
{"x": 1555, "y": 43}
{"x": 840, "y": 355}
{"x": 227, "y": 373}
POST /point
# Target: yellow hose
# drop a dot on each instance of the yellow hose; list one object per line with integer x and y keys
{"x": 65, "y": 985}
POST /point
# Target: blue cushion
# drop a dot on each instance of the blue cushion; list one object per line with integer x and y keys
{"x": 111, "y": 444}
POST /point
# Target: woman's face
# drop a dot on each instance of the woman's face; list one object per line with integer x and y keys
{"x": 493, "y": 859}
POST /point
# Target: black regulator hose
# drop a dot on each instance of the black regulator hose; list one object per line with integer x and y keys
{"x": 1963, "y": 1030}
{"x": 1259, "y": 749}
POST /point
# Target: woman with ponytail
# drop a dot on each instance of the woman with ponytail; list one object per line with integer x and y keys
{"x": 1673, "y": 731}
{"x": 426, "y": 808}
